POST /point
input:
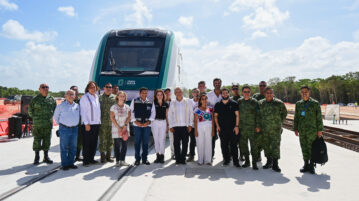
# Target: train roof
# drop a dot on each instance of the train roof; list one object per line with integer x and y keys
{"x": 147, "y": 32}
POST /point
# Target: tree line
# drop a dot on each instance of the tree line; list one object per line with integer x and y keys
{"x": 336, "y": 88}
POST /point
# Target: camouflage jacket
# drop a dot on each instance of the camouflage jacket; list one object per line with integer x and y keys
{"x": 258, "y": 96}
{"x": 41, "y": 110}
{"x": 272, "y": 114}
{"x": 105, "y": 103}
{"x": 308, "y": 116}
{"x": 248, "y": 113}
{"x": 236, "y": 98}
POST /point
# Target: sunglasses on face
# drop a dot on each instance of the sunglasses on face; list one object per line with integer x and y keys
{"x": 44, "y": 87}
{"x": 235, "y": 89}
{"x": 108, "y": 87}
{"x": 246, "y": 92}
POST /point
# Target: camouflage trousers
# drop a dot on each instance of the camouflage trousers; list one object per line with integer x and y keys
{"x": 271, "y": 143}
{"x": 105, "y": 139}
{"x": 251, "y": 136}
{"x": 42, "y": 138}
{"x": 306, "y": 139}
{"x": 260, "y": 139}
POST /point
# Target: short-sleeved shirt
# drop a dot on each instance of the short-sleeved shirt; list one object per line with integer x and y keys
{"x": 161, "y": 110}
{"x": 213, "y": 98}
{"x": 204, "y": 117}
{"x": 226, "y": 114}
{"x": 121, "y": 114}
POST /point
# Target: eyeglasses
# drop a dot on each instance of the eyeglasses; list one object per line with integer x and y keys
{"x": 44, "y": 87}
{"x": 234, "y": 88}
{"x": 108, "y": 87}
{"x": 246, "y": 92}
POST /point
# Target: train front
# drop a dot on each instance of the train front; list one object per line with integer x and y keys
{"x": 135, "y": 58}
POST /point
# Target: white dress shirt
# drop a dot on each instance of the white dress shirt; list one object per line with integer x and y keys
{"x": 194, "y": 104}
{"x": 180, "y": 113}
{"x": 133, "y": 118}
{"x": 67, "y": 114}
{"x": 213, "y": 98}
{"x": 90, "y": 109}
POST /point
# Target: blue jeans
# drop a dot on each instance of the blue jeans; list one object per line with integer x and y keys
{"x": 142, "y": 135}
{"x": 68, "y": 145}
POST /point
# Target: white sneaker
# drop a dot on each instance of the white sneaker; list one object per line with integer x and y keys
{"x": 123, "y": 163}
{"x": 117, "y": 164}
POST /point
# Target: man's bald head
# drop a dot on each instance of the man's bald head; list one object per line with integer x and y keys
{"x": 44, "y": 89}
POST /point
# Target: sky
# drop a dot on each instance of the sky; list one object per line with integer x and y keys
{"x": 239, "y": 41}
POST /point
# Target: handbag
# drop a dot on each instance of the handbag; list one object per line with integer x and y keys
{"x": 124, "y": 135}
{"x": 319, "y": 151}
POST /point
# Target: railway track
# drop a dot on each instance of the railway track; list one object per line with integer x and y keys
{"x": 341, "y": 137}
{"x": 107, "y": 195}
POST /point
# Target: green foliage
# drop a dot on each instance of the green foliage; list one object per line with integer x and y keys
{"x": 6, "y": 92}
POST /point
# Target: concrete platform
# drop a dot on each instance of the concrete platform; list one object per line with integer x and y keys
{"x": 352, "y": 125}
{"x": 336, "y": 180}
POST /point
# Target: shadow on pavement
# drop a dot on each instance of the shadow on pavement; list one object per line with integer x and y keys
{"x": 315, "y": 182}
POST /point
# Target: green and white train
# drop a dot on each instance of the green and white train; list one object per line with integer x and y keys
{"x": 135, "y": 58}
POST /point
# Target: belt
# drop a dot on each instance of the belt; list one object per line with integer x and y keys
{"x": 160, "y": 119}
{"x": 68, "y": 126}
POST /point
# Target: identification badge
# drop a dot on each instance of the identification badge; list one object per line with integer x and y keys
{"x": 303, "y": 113}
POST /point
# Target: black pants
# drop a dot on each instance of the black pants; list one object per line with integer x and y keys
{"x": 192, "y": 143}
{"x": 214, "y": 138}
{"x": 180, "y": 136}
{"x": 229, "y": 145}
{"x": 120, "y": 149}
{"x": 89, "y": 142}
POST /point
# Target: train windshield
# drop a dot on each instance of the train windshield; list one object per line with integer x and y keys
{"x": 141, "y": 56}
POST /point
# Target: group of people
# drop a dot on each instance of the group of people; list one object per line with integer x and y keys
{"x": 238, "y": 121}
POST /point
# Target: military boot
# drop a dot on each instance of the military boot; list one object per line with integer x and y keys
{"x": 268, "y": 164}
{"x": 305, "y": 168}
{"x": 254, "y": 165}
{"x": 108, "y": 157}
{"x": 162, "y": 158}
{"x": 103, "y": 157}
{"x": 247, "y": 163}
{"x": 37, "y": 158}
{"x": 46, "y": 158}
{"x": 311, "y": 169}
{"x": 275, "y": 166}
{"x": 157, "y": 158}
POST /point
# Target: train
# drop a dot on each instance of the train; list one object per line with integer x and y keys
{"x": 135, "y": 58}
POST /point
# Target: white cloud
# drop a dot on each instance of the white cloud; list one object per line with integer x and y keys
{"x": 67, "y": 10}
{"x": 186, "y": 39}
{"x": 140, "y": 15}
{"x": 14, "y": 30}
{"x": 186, "y": 21}
{"x": 7, "y": 5}
{"x": 264, "y": 13}
{"x": 356, "y": 35}
{"x": 239, "y": 62}
{"x": 38, "y": 63}
{"x": 258, "y": 34}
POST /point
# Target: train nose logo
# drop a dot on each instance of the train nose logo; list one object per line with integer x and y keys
{"x": 131, "y": 82}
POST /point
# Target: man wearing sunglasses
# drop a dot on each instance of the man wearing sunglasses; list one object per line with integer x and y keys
{"x": 272, "y": 113}
{"x": 248, "y": 126}
{"x": 107, "y": 99}
{"x": 259, "y": 96}
{"x": 41, "y": 110}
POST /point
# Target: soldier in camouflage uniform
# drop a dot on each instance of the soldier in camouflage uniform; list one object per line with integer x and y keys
{"x": 308, "y": 124}
{"x": 107, "y": 99}
{"x": 272, "y": 113}
{"x": 41, "y": 110}
{"x": 249, "y": 126}
{"x": 79, "y": 136}
{"x": 259, "y": 96}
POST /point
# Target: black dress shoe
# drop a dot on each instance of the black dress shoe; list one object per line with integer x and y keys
{"x": 146, "y": 162}
{"x": 225, "y": 163}
{"x": 94, "y": 162}
{"x": 137, "y": 163}
{"x": 237, "y": 164}
{"x": 64, "y": 168}
{"x": 86, "y": 164}
{"x": 73, "y": 166}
